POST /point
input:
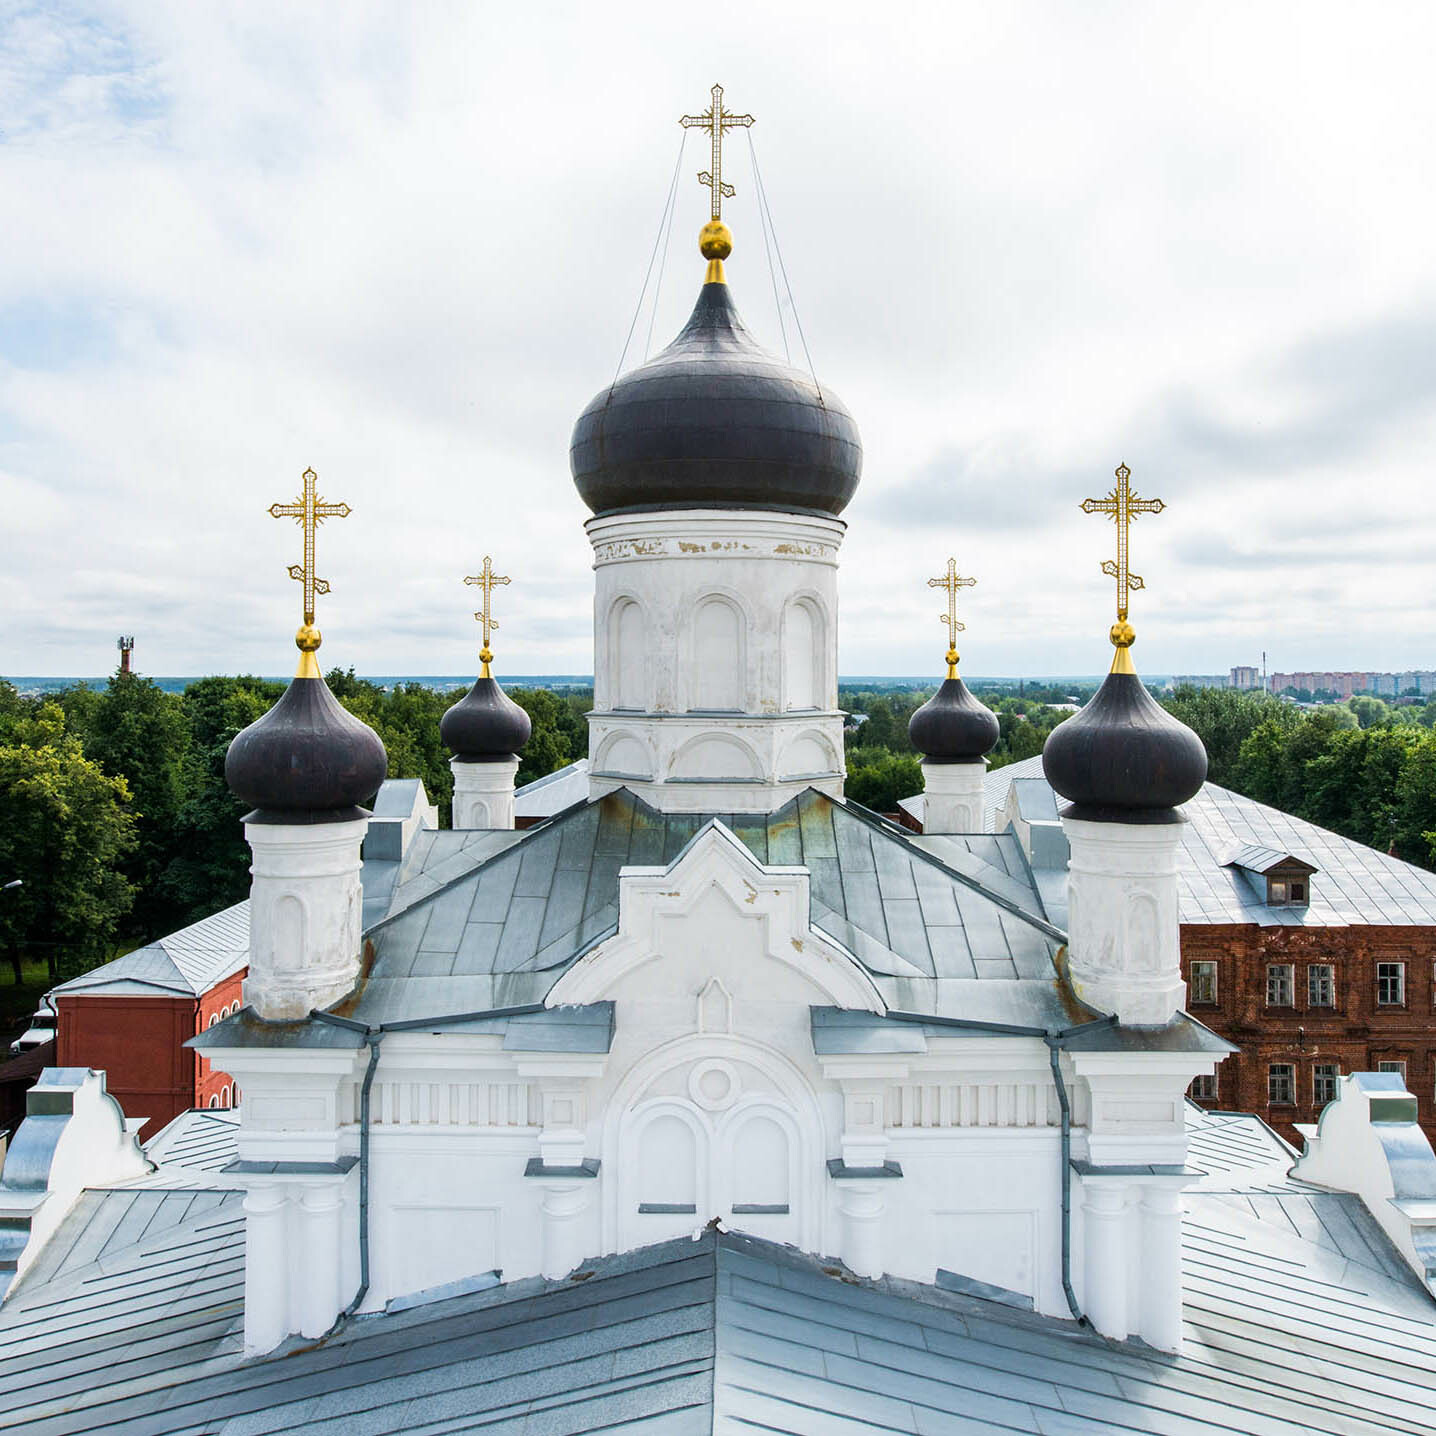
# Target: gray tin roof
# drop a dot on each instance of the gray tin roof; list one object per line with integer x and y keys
{"x": 187, "y": 963}
{"x": 1299, "y": 1318}
{"x": 1353, "y": 884}
{"x": 928, "y": 919}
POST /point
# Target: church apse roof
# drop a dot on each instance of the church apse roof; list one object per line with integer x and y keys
{"x": 922, "y": 916}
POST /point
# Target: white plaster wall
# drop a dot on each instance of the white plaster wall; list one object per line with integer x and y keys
{"x": 715, "y": 657}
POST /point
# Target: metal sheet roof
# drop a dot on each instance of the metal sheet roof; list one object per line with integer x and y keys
{"x": 497, "y": 930}
{"x": 1287, "y": 1333}
{"x": 187, "y": 963}
{"x": 1353, "y": 884}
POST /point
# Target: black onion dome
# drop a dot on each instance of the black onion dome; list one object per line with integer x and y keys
{"x": 485, "y": 725}
{"x": 1124, "y": 758}
{"x": 308, "y": 760}
{"x": 716, "y": 422}
{"x": 952, "y": 726}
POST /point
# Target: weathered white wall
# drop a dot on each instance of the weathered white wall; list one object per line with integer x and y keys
{"x": 305, "y": 905}
{"x": 715, "y": 658}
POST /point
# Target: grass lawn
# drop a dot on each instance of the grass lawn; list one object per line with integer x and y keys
{"x": 17, "y": 1003}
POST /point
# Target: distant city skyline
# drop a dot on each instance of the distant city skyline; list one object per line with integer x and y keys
{"x": 1027, "y": 243}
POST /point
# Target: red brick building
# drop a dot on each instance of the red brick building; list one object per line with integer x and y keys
{"x": 132, "y": 1017}
{"x": 1314, "y": 954}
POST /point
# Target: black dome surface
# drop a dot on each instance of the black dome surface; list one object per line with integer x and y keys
{"x": 952, "y": 726}
{"x": 307, "y": 760}
{"x": 1124, "y": 758}
{"x": 485, "y": 725}
{"x": 716, "y": 422}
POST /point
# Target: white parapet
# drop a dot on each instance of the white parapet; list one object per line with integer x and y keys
{"x": 715, "y": 658}
{"x": 305, "y": 907}
{"x": 1123, "y": 919}
{"x": 484, "y": 793}
{"x": 952, "y": 797}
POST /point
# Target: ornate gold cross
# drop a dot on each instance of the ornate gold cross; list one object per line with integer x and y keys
{"x": 717, "y": 121}
{"x": 1122, "y": 506}
{"x": 310, "y": 510}
{"x": 952, "y": 582}
{"x": 487, "y": 580}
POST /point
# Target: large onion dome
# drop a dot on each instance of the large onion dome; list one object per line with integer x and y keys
{"x": 485, "y": 725}
{"x": 1124, "y": 758}
{"x": 308, "y": 760}
{"x": 714, "y": 421}
{"x": 952, "y": 726}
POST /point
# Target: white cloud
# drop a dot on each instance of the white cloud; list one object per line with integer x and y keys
{"x": 404, "y": 244}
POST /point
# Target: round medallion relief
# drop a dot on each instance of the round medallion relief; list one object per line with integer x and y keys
{"x": 714, "y": 1084}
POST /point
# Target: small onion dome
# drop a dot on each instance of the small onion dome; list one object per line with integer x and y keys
{"x": 485, "y": 725}
{"x": 952, "y": 726}
{"x": 308, "y": 760}
{"x": 1124, "y": 758}
{"x": 716, "y": 422}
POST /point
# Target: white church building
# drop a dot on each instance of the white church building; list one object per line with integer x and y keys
{"x": 712, "y": 1029}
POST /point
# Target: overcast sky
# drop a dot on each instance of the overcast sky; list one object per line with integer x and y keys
{"x": 403, "y": 243}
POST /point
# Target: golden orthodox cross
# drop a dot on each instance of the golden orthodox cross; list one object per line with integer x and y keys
{"x": 311, "y": 511}
{"x": 952, "y": 582}
{"x": 1122, "y": 506}
{"x": 487, "y": 580}
{"x": 717, "y": 121}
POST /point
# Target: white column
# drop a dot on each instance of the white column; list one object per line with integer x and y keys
{"x": 1123, "y": 920}
{"x": 952, "y": 797}
{"x": 1104, "y": 1264}
{"x": 266, "y": 1269}
{"x": 319, "y": 1298}
{"x": 305, "y": 906}
{"x": 863, "y": 1204}
{"x": 1161, "y": 1274}
{"x": 564, "y": 1203}
{"x": 484, "y": 793}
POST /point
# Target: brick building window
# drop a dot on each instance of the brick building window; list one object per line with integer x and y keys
{"x": 1390, "y": 984}
{"x": 1321, "y": 985}
{"x": 1279, "y": 984}
{"x": 1204, "y": 1088}
{"x": 1281, "y": 1084}
{"x": 1398, "y": 1067}
{"x": 1323, "y": 1083}
{"x": 1202, "y": 985}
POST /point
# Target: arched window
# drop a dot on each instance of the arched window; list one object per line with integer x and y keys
{"x": 213, "y": 1018}
{"x": 627, "y": 656}
{"x": 718, "y": 658}
{"x": 802, "y": 656}
{"x": 214, "y": 1099}
{"x": 667, "y": 1176}
{"x": 761, "y": 1167}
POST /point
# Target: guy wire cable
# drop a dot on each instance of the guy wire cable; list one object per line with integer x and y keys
{"x": 772, "y": 272}
{"x": 633, "y": 324}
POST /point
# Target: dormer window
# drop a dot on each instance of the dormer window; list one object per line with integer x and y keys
{"x": 1283, "y": 879}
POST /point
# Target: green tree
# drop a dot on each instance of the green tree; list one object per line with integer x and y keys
{"x": 548, "y": 748}
{"x": 1370, "y": 711}
{"x": 1223, "y": 718}
{"x": 878, "y": 779}
{"x": 66, "y": 832}
{"x": 140, "y": 733}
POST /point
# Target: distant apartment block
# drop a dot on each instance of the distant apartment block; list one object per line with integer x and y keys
{"x": 1345, "y": 685}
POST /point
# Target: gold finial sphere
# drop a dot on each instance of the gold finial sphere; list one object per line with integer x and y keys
{"x": 715, "y": 240}
{"x": 1122, "y": 634}
{"x": 308, "y": 639}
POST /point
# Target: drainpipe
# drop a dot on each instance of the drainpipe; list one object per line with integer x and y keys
{"x": 373, "y": 1036}
{"x": 1053, "y": 1039}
